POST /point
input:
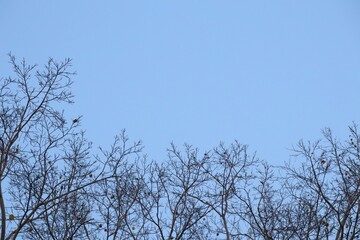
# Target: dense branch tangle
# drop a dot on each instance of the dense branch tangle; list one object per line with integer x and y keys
{"x": 45, "y": 160}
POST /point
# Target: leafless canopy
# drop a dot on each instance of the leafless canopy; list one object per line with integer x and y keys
{"x": 54, "y": 185}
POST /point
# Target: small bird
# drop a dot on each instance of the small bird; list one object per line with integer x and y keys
{"x": 76, "y": 120}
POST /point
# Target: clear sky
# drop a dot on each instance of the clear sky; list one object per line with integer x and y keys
{"x": 266, "y": 73}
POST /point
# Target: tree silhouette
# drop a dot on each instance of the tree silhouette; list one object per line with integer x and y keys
{"x": 45, "y": 162}
{"x": 54, "y": 185}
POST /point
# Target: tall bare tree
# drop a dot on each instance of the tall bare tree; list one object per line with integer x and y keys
{"x": 170, "y": 207}
{"x": 327, "y": 184}
{"x": 117, "y": 207}
{"x": 45, "y": 160}
{"x": 32, "y": 130}
{"x": 230, "y": 172}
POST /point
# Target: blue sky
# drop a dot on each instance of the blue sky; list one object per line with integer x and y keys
{"x": 266, "y": 73}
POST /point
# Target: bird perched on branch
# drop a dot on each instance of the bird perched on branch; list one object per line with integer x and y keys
{"x": 76, "y": 120}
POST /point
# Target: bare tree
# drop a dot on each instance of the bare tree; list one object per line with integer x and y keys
{"x": 31, "y": 132}
{"x": 49, "y": 197}
{"x": 266, "y": 205}
{"x": 117, "y": 199}
{"x": 230, "y": 170}
{"x": 44, "y": 161}
{"x": 170, "y": 206}
{"x": 327, "y": 186}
